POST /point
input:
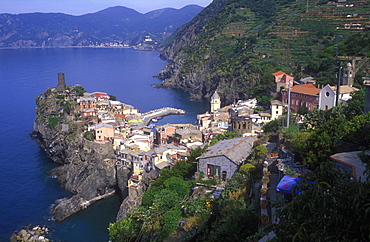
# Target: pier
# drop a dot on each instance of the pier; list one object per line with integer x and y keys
{"x": 148, "y": 116}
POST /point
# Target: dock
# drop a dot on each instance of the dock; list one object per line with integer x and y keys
{"x": 148, "y": 116}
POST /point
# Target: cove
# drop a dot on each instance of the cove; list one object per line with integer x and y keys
{"x": 28, "y": 191}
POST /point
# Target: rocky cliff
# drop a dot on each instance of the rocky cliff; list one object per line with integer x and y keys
{"x": 87, "y": 168}
{"x": 135, "y": 193}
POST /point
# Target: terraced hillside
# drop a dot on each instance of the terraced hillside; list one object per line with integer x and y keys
{"x": 243, "y": 41}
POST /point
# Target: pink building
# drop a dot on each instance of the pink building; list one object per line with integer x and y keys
{"x": 87, "y": 103}
{"x": 283, "y": 80}
{"x": 165, "y": 134}
{"x": 104, "y": 132}
{"x": 86, "y": 113}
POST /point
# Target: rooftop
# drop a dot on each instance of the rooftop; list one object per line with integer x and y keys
{"x": 236, "y": 150}
{"x": 306, "y": 89}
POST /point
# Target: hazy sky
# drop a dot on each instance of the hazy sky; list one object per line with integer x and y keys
{"x": 78, "y": 7}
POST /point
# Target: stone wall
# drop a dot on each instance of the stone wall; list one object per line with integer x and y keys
{"x": 222, "y": 161}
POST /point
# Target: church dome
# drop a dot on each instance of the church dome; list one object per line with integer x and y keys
{"x": 215, "y": 96}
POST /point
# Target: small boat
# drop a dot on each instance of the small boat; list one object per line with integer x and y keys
{"x": 154, "y": 120}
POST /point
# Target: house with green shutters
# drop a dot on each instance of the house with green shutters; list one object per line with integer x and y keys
{"x": 223, "y": 159}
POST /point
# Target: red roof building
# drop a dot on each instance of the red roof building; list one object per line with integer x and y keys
{"x": 101, "y": 95}
{"x": 302, "y": 96}
{"x": 283, "y": 80}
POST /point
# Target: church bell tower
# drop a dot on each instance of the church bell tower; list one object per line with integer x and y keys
{"x": 215, "y": 102}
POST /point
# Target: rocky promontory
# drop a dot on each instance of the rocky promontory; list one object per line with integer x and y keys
{"x": 87, "y": 168}
{"x": 88, "y": 134}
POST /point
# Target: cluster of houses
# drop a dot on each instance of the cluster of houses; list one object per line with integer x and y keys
{"x": 143, "y": 148}
{"x": 303, "y": 93}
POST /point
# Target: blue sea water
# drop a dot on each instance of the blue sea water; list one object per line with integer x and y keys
{"x": 27, "y": 190}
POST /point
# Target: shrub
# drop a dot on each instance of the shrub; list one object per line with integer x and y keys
{"x": 169, "y": 220}
{"x": 247, "y": 169}
{"x": 53, "y": 121}
{"x": 89, "y": 135}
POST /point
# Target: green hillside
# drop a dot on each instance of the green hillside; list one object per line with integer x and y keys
{"x": 239, "y": 43}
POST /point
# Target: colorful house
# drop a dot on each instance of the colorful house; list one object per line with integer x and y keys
{"x": 100, "y": 96}
{"x": 87, "y": 103}
{"x": 86, "y": 113}
{"x": 165, "y": 134}
{"x": 104, "y": 132}
{"x": 283, "y": 80}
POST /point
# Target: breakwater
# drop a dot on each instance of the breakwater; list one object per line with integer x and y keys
{"x": 148, "y": 116}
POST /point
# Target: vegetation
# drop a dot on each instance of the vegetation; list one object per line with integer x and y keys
{"x": 332, "y": 207}
{"x": 163, "y": 204}
{"x": 112, "y": 97}
{"x": 238, "y": 43}
{"x": 226, "y": 135}
{"x": 233, "y": 217}
{"x": 53, "y": 121}
{"x": 89, "y": 135}
{"x": 79, "y": 90}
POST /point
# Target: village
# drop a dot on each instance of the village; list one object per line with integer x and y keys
{"x": 141, "y": 145}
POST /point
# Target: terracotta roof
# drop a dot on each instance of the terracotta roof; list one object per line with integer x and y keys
{"x": 306, "y": 89}
{"x": 278, "y": 73}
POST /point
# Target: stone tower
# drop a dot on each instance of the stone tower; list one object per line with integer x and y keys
{"x": 61, "y": 82}
{"x": 241, "y": 125}
{"x": 215, "y": 102}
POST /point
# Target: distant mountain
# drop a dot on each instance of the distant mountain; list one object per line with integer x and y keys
{"x": 112, "y": 26}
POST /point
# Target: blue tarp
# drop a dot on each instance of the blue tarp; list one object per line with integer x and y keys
{"x": 286, "y": 184}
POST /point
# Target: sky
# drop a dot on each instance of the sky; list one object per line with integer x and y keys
{"x": 79, "y": 7}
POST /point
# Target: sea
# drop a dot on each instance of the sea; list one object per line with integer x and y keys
{"x": 27, "y": 189}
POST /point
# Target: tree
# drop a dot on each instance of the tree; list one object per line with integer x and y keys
{"x": 355, "y": 106}
{"x": 272, "y": 126}
{"x": 123, "y": 230}
{"x": 226, "y": 135}
{"x": 247, "y": 169}
{"x": 79, "y": 90}
{"x": 260, "y": 151}
{"x": 112, "y": 97}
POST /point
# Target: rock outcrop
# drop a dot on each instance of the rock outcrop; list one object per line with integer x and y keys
{"x": 87, "y": 168}
{"x": 134, "y": 194}
{"x": 36, "y": 233}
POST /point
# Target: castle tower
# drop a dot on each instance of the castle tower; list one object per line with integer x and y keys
{"x": 215, "y": 102}
{"x": 61, "y": 82}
